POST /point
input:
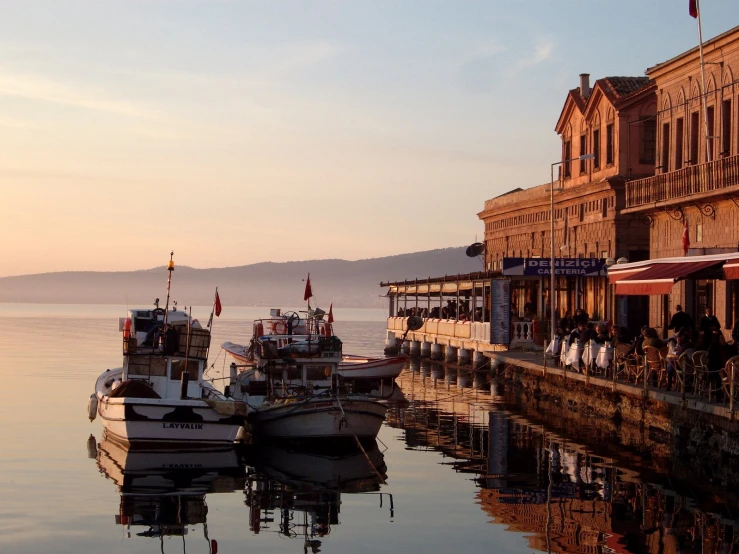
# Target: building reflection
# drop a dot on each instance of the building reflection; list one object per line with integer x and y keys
{"x": 563, "y": 494}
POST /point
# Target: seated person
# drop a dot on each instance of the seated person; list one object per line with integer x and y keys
{"x": 651, "y": 338}
{"x": 601, "y": 334}
{"x": 676, "y": 346}
{"x": 589, "y": 333}
{"x": 576, "y": 333}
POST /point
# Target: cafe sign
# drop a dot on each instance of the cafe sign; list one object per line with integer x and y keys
{"x": 565, "y": 267}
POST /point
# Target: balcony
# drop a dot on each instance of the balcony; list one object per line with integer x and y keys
{"x": 671, "y": 188}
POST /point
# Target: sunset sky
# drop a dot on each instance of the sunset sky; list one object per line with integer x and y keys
{"x": 234, "y": 132}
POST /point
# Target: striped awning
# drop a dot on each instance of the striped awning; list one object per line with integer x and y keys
{"x": 615, "y": 274}
{"x": 731, "y": 270}
{"x": 660, "y": 278}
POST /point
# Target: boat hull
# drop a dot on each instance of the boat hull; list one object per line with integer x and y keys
{"x": 166, "y": 422}
{"x": 357, "y": 367}
{"x": 320, "y": 418}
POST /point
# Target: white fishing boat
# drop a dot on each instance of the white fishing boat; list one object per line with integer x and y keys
{"x": 160, "y": 395}
{"x": 293, "y": 389}
{"x": 350, "y": 366}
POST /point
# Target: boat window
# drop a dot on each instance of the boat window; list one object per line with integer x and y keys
{"x": 146, "y": 365}
{"x": 178, "y": 366}
{"x": 293, "y": 374}
{"x": 317, "y": 372}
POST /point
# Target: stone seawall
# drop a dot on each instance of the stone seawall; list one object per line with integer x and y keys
{"x": 661, "y": 426}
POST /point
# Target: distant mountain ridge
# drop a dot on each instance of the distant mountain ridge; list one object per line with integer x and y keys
{"x": 346, "y": 283}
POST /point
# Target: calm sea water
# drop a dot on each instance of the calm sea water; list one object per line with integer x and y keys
{"x": 463, "y": 471}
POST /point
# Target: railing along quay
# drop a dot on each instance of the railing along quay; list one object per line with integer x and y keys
{"x": 694, "y": 179}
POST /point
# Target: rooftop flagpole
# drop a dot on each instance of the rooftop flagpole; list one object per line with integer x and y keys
{"x": 695, "y": 11}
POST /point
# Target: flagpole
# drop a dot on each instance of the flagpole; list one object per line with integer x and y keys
{"x": 709, "y": 155}
{"x": 212, "y": 311}
{"x": 170, "y": 269}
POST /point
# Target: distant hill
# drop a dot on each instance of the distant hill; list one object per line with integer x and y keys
{"x": 346, "y": 283}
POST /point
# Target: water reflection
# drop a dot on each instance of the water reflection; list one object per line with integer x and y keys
{"x": 296, "y": 493}
{"x": 293, "y": 492}
{"x": 163, "y": 492}
{"x": 564, "y": 494}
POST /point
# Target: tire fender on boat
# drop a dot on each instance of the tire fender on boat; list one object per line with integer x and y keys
{"x": 92, "y": 406}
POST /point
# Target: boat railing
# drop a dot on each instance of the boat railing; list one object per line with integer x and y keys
{"x": 279, "y": 326}
{"x": 190, "y": 343}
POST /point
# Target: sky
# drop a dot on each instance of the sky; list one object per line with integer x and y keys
{"x": 237, "y": 132}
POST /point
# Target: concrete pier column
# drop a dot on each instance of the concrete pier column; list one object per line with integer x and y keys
{"x": 425, "y": 366}
{"x": 391, "y": 344}
{"x": 437, "y": 353}
{"x": 496, "y": 389}
{"x": 450, "y": 376}
{"x": 450, "y": 356}
{"x": 425, "y": 349}
{"x": 405, "y": 348}
{"x": 415, "y": 348}
{"x": 478, "y": 359}
{"x": 463, "y": 356}
{"x": 437, "y": 371}
{"x": 414, "y": 364}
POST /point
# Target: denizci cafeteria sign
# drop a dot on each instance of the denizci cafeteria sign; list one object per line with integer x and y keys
{"x": 582, "y": 267}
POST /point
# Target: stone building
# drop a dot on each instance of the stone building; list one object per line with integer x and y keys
{"x": 615, "y": 122}
{"x": 696, "y": 178}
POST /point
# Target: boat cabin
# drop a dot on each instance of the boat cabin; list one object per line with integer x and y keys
{"x": 160, "y": 353}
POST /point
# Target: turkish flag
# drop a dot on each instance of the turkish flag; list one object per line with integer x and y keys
{"x": 308, "y": 291}
{"x": 693, "y": 8}
{"x": 331, "y": 313}
{"x": 218, "y": 305}
{"x": 686, "y": 239}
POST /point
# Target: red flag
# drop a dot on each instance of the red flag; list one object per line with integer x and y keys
{"x": 217, "y": 303}
{"x": 686, "y": 239}
{"x": 693, "y": 8}
{"x": 331, "y": 313}
{"x": 308, "y": 290}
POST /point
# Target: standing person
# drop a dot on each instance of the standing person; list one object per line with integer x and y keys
{"x": 708, "y": 322}
{"x": 680, "y": 320}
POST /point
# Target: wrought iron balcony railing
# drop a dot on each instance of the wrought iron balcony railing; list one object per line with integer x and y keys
{"x": 694, "y": 179}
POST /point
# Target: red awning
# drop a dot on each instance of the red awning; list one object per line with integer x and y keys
{"x": 660, "y": 278}
{"x": 615, "y": 274}
{"x": 731, "y": 270}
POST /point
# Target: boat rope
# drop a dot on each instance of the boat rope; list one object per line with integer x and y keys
{"x": 359, "y": 444}
{"x": 366, "y": 456}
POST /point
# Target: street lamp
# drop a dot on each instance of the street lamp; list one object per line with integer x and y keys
{"x": 552, "y": 271}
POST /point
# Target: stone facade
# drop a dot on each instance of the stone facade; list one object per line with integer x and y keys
{"x": 589, "y": 195}
{"x": 696, "y": 182}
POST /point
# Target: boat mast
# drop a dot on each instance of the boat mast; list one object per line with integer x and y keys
{"x": 170, "y": 269}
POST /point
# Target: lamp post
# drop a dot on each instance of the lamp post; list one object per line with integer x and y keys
{"x": 552, "y": 271}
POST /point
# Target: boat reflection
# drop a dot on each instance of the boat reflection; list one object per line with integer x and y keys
{"x": 568, "y": 485}
{"x": 296, "y": 493}
{"x": 163, "y": 492}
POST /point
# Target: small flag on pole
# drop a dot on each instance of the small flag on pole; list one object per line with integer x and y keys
{"x": 331, "y": 313}
{"x": 686, "y": 238}
{"x": 693, "y": 8}
{"x": 216, "y": 309}
{"x": 217, "y": 305}
{"x": 308, "y": 291}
